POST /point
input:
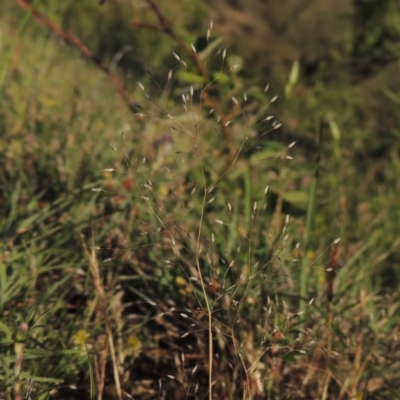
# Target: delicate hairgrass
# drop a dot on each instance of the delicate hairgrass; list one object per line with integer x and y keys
{"x": 244, "y": 288}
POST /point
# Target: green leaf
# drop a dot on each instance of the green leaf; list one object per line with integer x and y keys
{"x": 4, "y": 328}
{"x": 296, "y": 197}
{"x": 222, "y": 78}
{"x": 189, "y": 77}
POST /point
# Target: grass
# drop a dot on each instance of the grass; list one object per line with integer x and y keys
{"x": 171, "y": 253}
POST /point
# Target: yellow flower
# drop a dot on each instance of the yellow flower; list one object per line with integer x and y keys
{"x": 180, "y": 281}
{"x": 163, "y": 190}
{"x": 311, "y": 255}
{"x": 107, "y": 175}
{"x": 81, "y": 337}
{"x": 134, "y": 344}
{"x": 184, "y": 288}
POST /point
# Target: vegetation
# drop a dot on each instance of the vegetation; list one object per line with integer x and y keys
{"x": 174, "y": 229}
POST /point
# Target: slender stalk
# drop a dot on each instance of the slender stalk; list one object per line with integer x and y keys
{"x": 310, "y": 220}
{"x": 210, "y": 338}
